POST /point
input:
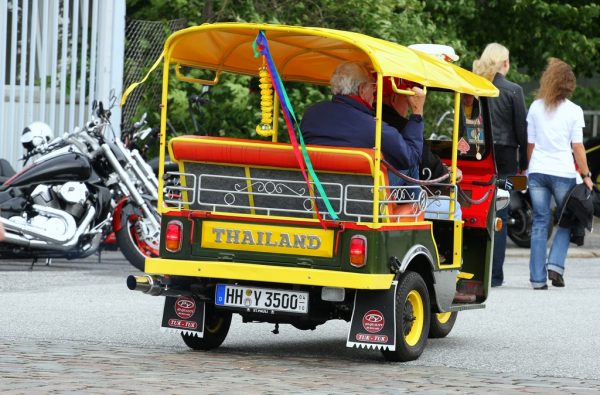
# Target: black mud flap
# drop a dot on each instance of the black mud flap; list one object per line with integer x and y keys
{"x": 373, "y": 323}
{"x": 183, "y": 314}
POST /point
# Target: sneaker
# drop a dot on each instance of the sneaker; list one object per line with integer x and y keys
{"x": 557, "y": 278}
{"x": 545, "y": 286}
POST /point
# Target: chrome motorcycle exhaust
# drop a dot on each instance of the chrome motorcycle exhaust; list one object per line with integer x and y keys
{"x": 43, "y": 234}
{"x": 47, "y": 242}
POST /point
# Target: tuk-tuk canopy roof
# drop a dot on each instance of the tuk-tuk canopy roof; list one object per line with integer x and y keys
{"x": 311, "y": 54}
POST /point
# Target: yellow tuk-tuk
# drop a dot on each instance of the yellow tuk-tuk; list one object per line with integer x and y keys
{"x": 293, "y": 233}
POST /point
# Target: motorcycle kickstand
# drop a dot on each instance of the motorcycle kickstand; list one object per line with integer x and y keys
{"x": 34, "y": 261}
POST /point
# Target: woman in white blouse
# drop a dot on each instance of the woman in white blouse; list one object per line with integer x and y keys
{"x": 554, "y": 136}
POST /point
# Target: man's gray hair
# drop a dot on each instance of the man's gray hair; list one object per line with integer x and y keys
{"x": 348, "y": 77}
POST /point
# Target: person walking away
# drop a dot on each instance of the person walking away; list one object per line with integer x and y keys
{"x": 509, "y": 129}
{"x": 554, "y": 128}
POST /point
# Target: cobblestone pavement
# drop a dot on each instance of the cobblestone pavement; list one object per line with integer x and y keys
{"x": 73, "y": 327}
{"x": 49, "y": 367}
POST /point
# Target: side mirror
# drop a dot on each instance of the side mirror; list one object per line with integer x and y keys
{"x": 502, "y": 199}
{"x": 513, "y": 183}
{"x": 519, "y": 183}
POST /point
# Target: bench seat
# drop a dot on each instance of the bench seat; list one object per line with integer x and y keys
{"x": 263, "y": 177}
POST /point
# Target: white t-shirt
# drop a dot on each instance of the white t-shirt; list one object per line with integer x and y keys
{"x": 552, "y": 133}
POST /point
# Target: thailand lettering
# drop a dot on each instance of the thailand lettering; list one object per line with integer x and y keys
{"x": 267, "y": 239}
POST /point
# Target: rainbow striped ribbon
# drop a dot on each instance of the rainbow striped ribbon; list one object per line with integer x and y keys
{"x": 262, "y": 47}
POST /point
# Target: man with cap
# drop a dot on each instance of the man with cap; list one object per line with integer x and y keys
{"x": 348, "y": 120}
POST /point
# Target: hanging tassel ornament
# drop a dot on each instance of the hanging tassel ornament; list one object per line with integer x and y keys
{"x": 265, "y": 128}
{"x": 261, "y": 47}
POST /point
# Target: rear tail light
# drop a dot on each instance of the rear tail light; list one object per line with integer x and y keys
{"x": 358, "y": 251}
{"x": 173, "y": 236}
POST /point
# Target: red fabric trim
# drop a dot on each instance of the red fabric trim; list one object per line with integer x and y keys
{"x": 362, "y": 101}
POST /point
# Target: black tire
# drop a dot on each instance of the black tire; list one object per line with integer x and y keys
{"x": 216, "y": 327}
{"x": 441, "y": 324}
{"x": 413, "y": 315}
{"x": 129, "y": 240}
{"x": 520, "y": 231}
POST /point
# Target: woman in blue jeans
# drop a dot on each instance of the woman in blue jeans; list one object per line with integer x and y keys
{"x": 554, "y": 136}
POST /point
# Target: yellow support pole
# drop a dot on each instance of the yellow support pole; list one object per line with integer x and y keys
{"x": 377, "y": 166}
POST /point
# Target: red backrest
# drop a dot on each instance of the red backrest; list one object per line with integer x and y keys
{"x": 269, "y": 154}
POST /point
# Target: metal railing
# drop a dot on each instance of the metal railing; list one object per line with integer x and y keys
{"x": 285, "y": 197}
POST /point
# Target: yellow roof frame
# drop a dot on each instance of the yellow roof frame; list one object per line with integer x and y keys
{"x": 311, "y": 54}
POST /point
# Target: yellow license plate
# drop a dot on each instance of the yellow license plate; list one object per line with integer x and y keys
{"x": 267, "y": 238}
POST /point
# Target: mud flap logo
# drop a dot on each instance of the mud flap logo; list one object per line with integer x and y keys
{"x": 185, "y": 307}
{"x": 373, "y": 321}
{"x": 183, "y": 314}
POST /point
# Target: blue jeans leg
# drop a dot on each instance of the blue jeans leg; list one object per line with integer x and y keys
{"x": 541, "y": 188}
{"x": 499, "y": 250}
{"x": 396, "y": 181}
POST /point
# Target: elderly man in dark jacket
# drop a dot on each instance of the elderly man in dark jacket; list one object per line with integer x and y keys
{"x": 348, "y": 120}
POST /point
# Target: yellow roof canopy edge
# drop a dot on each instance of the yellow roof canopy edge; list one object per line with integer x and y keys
{"x": 387, "y": 58}
{"x": 390, "y": 59}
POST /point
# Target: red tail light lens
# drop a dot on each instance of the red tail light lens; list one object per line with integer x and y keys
{"x": 358, "y": 251}
{"x": 173, "y": 236}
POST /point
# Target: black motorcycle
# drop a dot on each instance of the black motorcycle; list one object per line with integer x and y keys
{"x": 84, "y": 186}
{"x": 56, "y": 207}
{"x": 520, "y": 218}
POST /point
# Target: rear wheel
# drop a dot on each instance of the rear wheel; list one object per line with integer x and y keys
{"x": 135, "y": 238}
{"x": 216, "y": 327}
{"x": 413, "y": 316}
{"x": 441, "y": 324}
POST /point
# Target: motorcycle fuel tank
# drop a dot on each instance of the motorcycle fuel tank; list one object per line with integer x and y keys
{"x": 66, "y": 167}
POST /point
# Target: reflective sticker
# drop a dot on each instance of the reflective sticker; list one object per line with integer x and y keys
{"x": 463, "y": 146}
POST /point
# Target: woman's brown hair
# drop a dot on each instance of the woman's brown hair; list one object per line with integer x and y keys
{"x": 557, "y": 83}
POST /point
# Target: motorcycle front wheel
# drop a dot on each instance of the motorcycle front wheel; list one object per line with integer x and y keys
{"x": 135, "y": 239}
{"x": 519, "y": 231}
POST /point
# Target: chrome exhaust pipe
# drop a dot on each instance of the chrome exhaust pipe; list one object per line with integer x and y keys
{"x": 11, "y": 237}
{"x": 146, "y": 284}
{"x": 48, "y": 236}
{"x": 151, "y": 285}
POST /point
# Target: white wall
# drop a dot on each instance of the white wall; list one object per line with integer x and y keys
{"x": 56, "y": 57}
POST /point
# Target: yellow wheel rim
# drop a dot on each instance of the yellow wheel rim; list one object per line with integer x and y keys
{"x": 215, "y": 326}
{"x": 442, "y": 318}
{"x": 414, "y": 317}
